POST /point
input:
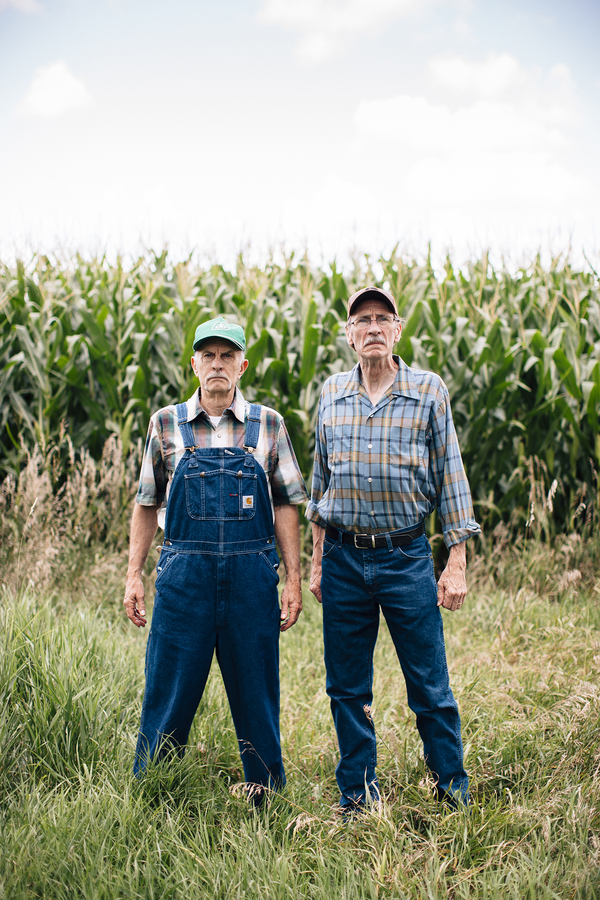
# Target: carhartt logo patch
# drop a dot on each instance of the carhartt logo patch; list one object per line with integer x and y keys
{"x": 248, "y": 501}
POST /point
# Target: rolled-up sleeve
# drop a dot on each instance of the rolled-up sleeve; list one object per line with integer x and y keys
{"x": 152, "y": 487}
{"x": 287, "y": 484}
{"x": 454, "y": 503}
{"x": 321, "y": 472}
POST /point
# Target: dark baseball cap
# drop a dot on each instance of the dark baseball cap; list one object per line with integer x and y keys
{"x": 372, "y": 293}
{"x": 220, "y": 328}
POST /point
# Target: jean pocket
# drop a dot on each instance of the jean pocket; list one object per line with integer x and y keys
{"x": 328, "y": 546}
{"x": 417, "y": 550}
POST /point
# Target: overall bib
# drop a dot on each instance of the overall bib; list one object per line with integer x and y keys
{"x": 216, "y": 590}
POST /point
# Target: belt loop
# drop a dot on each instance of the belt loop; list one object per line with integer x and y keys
{"x": 388, "y": 541}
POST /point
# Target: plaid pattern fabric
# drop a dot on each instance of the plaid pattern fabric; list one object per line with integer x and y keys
{"x": 385, "y": 468}
{"x": 164, "y": 448}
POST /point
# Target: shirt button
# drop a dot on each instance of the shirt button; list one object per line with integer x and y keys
{"x": 372, "y": 512}
{"x": 218, "y": 434}
{"x": 369, "y": 480}
{"x": 370, "y": 446}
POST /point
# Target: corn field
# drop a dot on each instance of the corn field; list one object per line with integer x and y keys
{"x": 89, "y": 349}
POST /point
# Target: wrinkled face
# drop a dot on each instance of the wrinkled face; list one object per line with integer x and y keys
{"x": 218, "y": 365}
{"x": 372, "y": 330}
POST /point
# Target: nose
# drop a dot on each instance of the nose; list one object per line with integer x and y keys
{"x": 374, "y": 325}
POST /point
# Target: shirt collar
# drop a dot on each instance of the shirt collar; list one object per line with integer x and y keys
{"x": 404, "y": 385}
{"x": 238, "y": 406}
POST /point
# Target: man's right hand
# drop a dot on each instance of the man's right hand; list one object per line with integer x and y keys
{"x": 135, "y": 606}
{"x": 144, "y": 523}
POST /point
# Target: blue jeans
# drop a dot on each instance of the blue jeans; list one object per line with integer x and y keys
{"x": 399, "y": 580}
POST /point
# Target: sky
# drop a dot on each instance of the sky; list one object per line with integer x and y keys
{"x": 333, "y": 125}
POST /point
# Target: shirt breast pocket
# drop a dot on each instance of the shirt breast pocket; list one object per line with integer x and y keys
{"x": 408, "y": 447}
{"x": 340, "y": 444}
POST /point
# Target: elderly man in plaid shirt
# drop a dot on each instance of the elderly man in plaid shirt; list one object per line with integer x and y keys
{"x": 386, "y": 456}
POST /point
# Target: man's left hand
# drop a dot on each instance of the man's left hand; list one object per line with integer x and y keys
{"x": 452, "y": 586}
{"x": 291, "y": 604}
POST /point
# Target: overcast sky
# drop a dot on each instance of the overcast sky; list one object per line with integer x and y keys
{"x": 328, "y": 123}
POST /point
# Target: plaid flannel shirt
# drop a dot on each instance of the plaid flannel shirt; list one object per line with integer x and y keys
{"x": 164, "y": 449}
{"x": 387, "y": 467}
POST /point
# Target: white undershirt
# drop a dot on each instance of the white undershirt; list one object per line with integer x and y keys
{"x": 220, "y": 438}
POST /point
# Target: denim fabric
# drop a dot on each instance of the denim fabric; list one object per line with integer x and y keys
{"x": 216, "y": 591}
{"x": 399, "y": 580}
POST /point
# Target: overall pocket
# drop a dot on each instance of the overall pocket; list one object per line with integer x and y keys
{"x": 239, "y": 495}
{"x": 221, "y": 494}
{"x": 271, "y": 560}
{"x": 164, "y": 563}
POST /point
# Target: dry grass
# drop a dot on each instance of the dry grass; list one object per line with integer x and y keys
{"x": 524, "y": 655}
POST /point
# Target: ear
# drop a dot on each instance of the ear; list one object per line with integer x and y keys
{"x": 348, "y": 338}
{"x": 194, "y": 368}
{"x": 243, "y": 367}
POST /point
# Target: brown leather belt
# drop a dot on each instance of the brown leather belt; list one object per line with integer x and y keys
{"x": 370, "y": 541}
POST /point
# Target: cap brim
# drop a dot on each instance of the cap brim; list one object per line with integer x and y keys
{"x": 370, "y": 294}
{"x": 221, "y": 337}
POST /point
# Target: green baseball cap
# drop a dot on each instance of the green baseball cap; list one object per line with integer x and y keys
{"x": 220, "y": 328}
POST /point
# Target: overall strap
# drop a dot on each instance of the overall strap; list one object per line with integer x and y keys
{"x": 184, "y": 426}
{"x": 252, "y": 427}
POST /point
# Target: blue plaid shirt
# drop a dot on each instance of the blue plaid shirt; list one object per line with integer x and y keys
{"x": 387, "y": 467}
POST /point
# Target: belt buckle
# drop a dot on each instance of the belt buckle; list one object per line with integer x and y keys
{"x": 366, "y": 537}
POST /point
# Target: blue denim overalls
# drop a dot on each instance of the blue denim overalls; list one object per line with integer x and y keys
{"x": 216, "y": 588}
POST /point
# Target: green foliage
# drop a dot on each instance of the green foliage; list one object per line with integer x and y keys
{"x": 97, "y": 347}
{"x": 524, "y": 664}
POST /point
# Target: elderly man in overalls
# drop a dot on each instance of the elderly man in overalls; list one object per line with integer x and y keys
{"x": 232, "y": 485}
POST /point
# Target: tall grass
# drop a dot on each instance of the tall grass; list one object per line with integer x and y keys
{"x": 524, "y": 663}
{"x": 95, "y": 348}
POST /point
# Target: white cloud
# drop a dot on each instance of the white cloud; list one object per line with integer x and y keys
{"x": 500, "y": 137}
{"x": 24, "y": 6}
{"x": 329, "y": 26}
{"x": 490, "y": 78}
{"x": 419, "y": 124}
{"x": 54, "y": 91}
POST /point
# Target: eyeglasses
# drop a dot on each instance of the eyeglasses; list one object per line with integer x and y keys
{"x": 383, "y": 321}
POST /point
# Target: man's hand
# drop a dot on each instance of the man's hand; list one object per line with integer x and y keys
{"x": 135, "y": 606}
{"x": 315, "y": 581}
{"x": 318, "y": 536}
{"x": 291, "y": 604}
{"x": 287, "y": 532}
{"x": 452, "y": 586}
{"x": 144, "y": 523}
